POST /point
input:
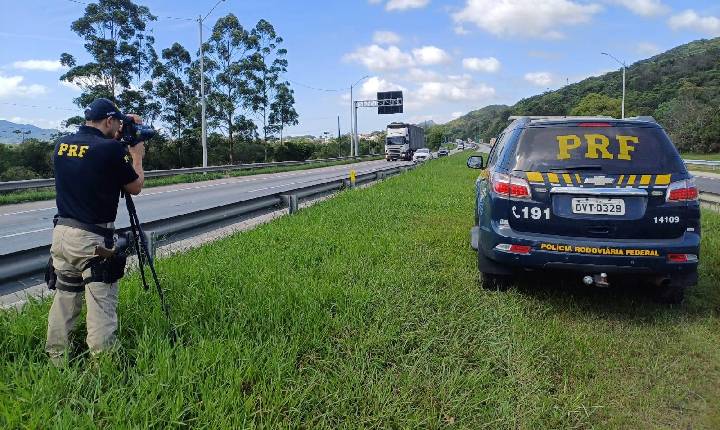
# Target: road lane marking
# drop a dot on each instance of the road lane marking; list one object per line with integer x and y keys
{"x": 26, "y": 232}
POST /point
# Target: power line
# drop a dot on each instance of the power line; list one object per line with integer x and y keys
{"x": 38, "y": 107}
{"x": 315, "y": 88}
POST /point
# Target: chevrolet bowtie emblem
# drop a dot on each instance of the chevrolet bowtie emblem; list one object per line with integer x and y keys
{"x": 599, "y": 181}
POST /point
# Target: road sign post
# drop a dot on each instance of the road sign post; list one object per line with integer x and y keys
{"x": 387, "y": 103}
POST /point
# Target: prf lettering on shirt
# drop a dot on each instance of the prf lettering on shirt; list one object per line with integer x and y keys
{"x": 596, "y": 146}
{"x": 72, "y": 150}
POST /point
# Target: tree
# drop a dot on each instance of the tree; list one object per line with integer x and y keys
{"x": 595, "y": 104}
{"x": 113, "y": 33}
{"x": 229, "y": 47}
{"x": 267, "y": 64}
{"x": 282, "y": 110}
{"x": 173, "y": 89}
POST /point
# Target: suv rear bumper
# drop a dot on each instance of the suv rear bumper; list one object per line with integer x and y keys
{"x": 587, "y": 254}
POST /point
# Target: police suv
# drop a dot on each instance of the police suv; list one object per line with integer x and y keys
{"x": 600, "y": 198}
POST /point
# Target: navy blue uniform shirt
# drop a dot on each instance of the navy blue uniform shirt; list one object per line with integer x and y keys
{"x": 90, "y": 171}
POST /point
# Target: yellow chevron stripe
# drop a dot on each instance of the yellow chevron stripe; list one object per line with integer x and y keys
{"x": 567, "y": 179}
{"x": 619, "y": 184}
{"x": 535, "y": 177}
{"x": 645, "y": 179}
{"x": 631, "y": 180}
{"x": 662, "y": 179}
{"x": 578, "y": 178}
{"x": 553, "y": 178}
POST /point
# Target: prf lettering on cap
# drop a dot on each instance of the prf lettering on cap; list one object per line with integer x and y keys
{"x": 66, "y": 150}
{"x": 596, "y": 146}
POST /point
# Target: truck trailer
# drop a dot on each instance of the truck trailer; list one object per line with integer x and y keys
{"x": 403, "y": 140}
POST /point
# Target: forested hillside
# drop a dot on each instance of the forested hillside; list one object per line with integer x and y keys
{"x": 680, "y": 88}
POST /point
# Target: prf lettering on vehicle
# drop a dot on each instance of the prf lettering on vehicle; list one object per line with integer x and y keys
{"x": 72, "y": 150}
{"x": 596, "y": 146}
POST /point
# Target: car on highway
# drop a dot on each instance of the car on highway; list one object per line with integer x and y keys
{"x": 460, "y": 147}
{"x": 422, "y": 154}
{"x": 600, "y": 199}
{"x": 443, "y": 152}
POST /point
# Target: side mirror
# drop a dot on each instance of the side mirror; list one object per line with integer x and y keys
{"x": 476, "y": 162}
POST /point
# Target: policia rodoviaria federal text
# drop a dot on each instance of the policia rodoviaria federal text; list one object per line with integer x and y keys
{"x": 92, "y": 167}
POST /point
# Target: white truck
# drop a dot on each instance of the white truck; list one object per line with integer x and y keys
{"x": 403, "y": 140}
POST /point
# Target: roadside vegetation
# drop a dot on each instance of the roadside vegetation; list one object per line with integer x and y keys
{"x": 680, "y": 88}
{"x": 40, "y": 194}
{"x": 365, "y": 311}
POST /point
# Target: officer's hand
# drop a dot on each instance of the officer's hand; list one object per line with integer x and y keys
{"x": 135, "y": 118}
{"x": 137, "y": 152}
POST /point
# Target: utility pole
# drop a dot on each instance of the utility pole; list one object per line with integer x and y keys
{"x": 622, "y": 63}
{"x": 202, "y": 86}
{"x": 338, "y": 128}
{"x": 353, "y": 120}
{"x": 202, "y": 96}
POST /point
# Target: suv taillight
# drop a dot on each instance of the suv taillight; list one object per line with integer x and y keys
{"x": 510, "y": 186}
{"x": 682, "y": 191}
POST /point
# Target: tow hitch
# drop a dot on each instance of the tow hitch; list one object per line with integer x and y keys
{"x": 596, "y": 280}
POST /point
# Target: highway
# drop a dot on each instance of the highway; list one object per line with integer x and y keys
{"x": 29, "y": 225}
{"x": 707, "y": 183}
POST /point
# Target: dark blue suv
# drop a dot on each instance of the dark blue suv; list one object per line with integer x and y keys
{"x": 601, "y": 198}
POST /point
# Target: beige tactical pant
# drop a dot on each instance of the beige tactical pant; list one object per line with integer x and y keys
{"x": 71, "y": 249}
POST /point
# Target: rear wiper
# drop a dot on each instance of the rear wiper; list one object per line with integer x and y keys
{"x": 578, "y": 167}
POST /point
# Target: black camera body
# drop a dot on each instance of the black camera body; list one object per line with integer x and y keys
{"x": 132, "y": 133}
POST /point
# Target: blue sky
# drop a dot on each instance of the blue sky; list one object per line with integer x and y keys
{"x": 448, "y": 57}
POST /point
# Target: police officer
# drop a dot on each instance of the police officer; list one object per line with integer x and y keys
{"x": 91, "y": 168}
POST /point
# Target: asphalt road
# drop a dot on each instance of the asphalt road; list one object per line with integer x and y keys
{"x": 708, "y": 184}
{"x": 28, "y": 225}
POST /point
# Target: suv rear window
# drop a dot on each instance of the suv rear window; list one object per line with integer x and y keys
{"x": 608, "y": 149}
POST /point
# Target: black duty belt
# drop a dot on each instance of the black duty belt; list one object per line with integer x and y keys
{"x": 107, "y": 233}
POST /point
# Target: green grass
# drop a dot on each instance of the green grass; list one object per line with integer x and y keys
{"x": 319, "y": 320}
{"x": 39, "y": 194}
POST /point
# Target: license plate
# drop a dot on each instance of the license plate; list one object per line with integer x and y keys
{"x": 595, "y": 206}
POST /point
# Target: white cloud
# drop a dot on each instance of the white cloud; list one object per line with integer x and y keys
{"x": 11, "y": 86}
{"x": 460, "y": 30}
{"x": 455, "y": 88}
{"x": 374, "y": 84}
{"x": 541, "y": 79}
{"x": 386, "y": 38}
{"x": 45, "y": 65}
{"x": 526, "y": 18}
{"x": 406, "y": 4}
{"x": 70, "y": 85}
{"x": 377, "y": 58}
{"x": 644, "y": 7}
{"x": 646, "y": 48}
{"x": 421, "y": 75}
{"x": 488, "y": 65}
{"x": 690, "y": 20}
{"x": 456, "y": 114}
{"x": 429, "y": 55}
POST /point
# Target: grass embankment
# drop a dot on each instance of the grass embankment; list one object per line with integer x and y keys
{"x": 34, "y": 195}
{"x": 365, "y": 311}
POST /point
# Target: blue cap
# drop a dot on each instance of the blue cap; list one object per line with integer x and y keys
{"x": 101, "y": 109}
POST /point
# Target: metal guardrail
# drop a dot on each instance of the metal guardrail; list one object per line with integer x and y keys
{"x": 31, "y": 262}
{"x": 709, "y": 163}
{"x": 50, "y": 182}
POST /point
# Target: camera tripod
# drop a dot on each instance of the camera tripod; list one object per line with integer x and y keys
{"x": 145, "y": 258}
